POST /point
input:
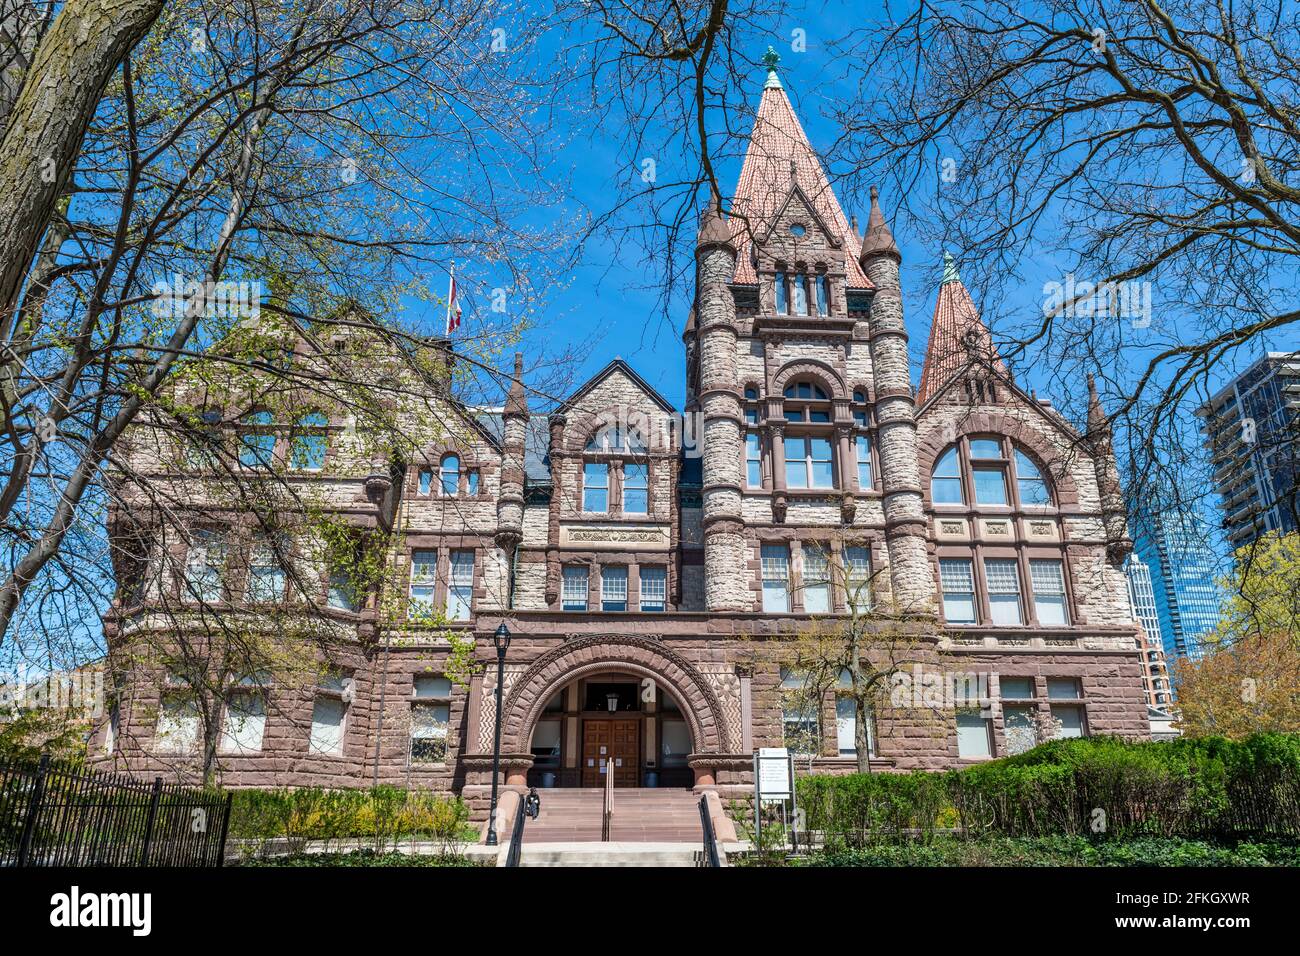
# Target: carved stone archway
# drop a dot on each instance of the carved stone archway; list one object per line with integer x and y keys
{"x": 636, "y": 655}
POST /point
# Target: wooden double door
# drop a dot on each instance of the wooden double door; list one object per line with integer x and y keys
{"x": 613, "y": 742}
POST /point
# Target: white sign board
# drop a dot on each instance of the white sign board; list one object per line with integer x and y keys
{"x": 773, "y": 773}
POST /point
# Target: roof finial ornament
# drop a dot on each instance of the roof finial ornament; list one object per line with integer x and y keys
{"x": 770, "y": 59}
{"x": 950, "y": 273}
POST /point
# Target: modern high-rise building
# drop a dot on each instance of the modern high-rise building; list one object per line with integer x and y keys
{"x": 1252, "y": 428}
{"x": 1155, "y": 672}
{"x": 1175, "y": 547}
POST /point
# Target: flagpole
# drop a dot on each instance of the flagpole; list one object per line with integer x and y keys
{"x": 451, "y": 288}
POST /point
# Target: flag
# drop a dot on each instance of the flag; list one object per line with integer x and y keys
{"x": 453, "y": 304}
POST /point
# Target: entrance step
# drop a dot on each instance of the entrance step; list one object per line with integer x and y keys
{"x": 611, "y": 854}
{"x": 640, "y": 816}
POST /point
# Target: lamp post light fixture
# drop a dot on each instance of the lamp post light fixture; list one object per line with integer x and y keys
{"x": 501, "y": 639}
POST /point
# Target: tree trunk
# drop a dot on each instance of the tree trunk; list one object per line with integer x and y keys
{"x": 61, "y": 91}
{"x": 861, "y": 715}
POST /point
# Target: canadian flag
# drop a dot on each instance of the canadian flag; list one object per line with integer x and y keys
{"x": 453, "y": 304}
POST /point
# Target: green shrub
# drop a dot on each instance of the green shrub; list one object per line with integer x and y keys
{"x": 382, "y": 815}
{"x": 1093, "y": 786}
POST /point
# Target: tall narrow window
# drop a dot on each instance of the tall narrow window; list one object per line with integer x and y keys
{"x": 988, "y": 474}
{"x": 595, "y": 487}
{"x": 816, "y": 580}
{"x": 781, "y": 307}
{"x": 309, "y": 442}
{"x": 654, "y": 589}
{"x": 799, "y": 724}
{"x": 974, "y": 734}
{"x": 460, "y": 586}
{"x": 957, "y": 582}
{"x": 245, "y": 723}
{"x": 266, "y": 577}
{"x": 426, "y": 481}
{"x": 1048, "y": 581}
{"x": 424, "y": 582}
{"x": 636, "y": 489}
{"x": 945, "y": 484}
{"x": 178, "y": 725}
{"x": 471, "y": 479}
{"x": 823, "y": 294}
{"x": 328, "y": 717}
{"x": 1030, "y": 482}
{"x": 430, "y": 715}
{"x": 799, "y": 294}
{"x": 574, "y": 592}
{"x": 1004, "y": 591}
{"x": 863, "y": 445}
{"x": 450, "y": 476}
{"x": 257, "y": 440}
{"x": 776, "y": 578}
{"x": 857, "y": 578}
{"x": 205, "y": 566}
{"x": 753, "y": 460}
{"x": 613, "y": 588}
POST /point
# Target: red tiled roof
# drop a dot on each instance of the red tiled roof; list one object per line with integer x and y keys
{"x": 957, "y": 334}
{"x": 777, "y": 141}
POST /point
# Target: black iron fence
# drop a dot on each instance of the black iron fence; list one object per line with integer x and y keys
{"x": 54, "y": 815}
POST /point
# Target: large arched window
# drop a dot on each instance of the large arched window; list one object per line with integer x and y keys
{"x": 989, "y": 471}
{"x": 309, "y": 442}
{"x": 257, "y": 440}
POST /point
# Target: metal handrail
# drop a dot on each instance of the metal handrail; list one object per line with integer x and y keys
{"x": 607, "y": 811}
{"x": 517, "y": 835}
{"x": 710, "y": 841}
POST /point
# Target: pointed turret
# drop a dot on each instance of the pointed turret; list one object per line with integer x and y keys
{"x": 957, "y": 335}
{"x": 778, "y": 157}
{"x": 1114, "y": 514}
{"x": 879, "y": 240}
{"x": 714, "y": 230}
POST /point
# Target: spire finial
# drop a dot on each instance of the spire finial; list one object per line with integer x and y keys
{"x": 770, "y": 59}
{"x": 878, "y": 239}
{"x": 950, "y": 273}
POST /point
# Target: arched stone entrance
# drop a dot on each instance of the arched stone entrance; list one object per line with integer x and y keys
{"x": 630, "y": 657}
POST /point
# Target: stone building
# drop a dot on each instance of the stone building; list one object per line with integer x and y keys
{"x": 649, "y": 562}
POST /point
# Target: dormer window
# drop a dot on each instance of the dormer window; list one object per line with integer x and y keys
{"x": 997, "y": 473}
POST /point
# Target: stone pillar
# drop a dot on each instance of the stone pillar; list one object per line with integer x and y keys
{"x": 725, "y": 584}
{"x": 510, "y": 501}
{"x": 911, "y": 577}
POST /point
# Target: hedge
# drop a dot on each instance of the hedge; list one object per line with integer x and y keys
{"x": 1056, "y": 851}
{"x": 382, "y": 815}
{"x": 1096, "y": 786}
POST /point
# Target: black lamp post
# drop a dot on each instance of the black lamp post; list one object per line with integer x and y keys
{"x": 501, "y": 638}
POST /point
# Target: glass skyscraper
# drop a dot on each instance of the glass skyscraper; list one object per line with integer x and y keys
{"x": 1175, "y": 547}
{"x": 1251, "y": 428}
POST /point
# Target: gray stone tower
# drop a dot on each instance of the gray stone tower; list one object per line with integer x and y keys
{"x": 911, "y": 576}
{"x": 510, "y": 502}
{"x": 718, "y": 398}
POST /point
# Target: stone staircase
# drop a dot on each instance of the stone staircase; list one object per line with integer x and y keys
{"x": 649, "y": 828}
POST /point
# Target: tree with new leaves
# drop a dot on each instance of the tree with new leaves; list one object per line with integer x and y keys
{"x": 317, "y": 154}
{"x": 853, "y": 655}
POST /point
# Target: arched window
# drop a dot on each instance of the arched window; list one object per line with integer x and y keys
{"x": 999, "y": 473}
{"x": 1030, "y": 482}
{"x": 945, "y": 484}
{"x": 309, "y": 442}
{"x": 450, "y": 476}
{"x": 807, "y": 402}
{"x": 257, "y": 440}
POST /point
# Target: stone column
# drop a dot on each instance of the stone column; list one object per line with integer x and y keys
{"x": 910, "y": 574}
{"x": 725, "y": 585}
